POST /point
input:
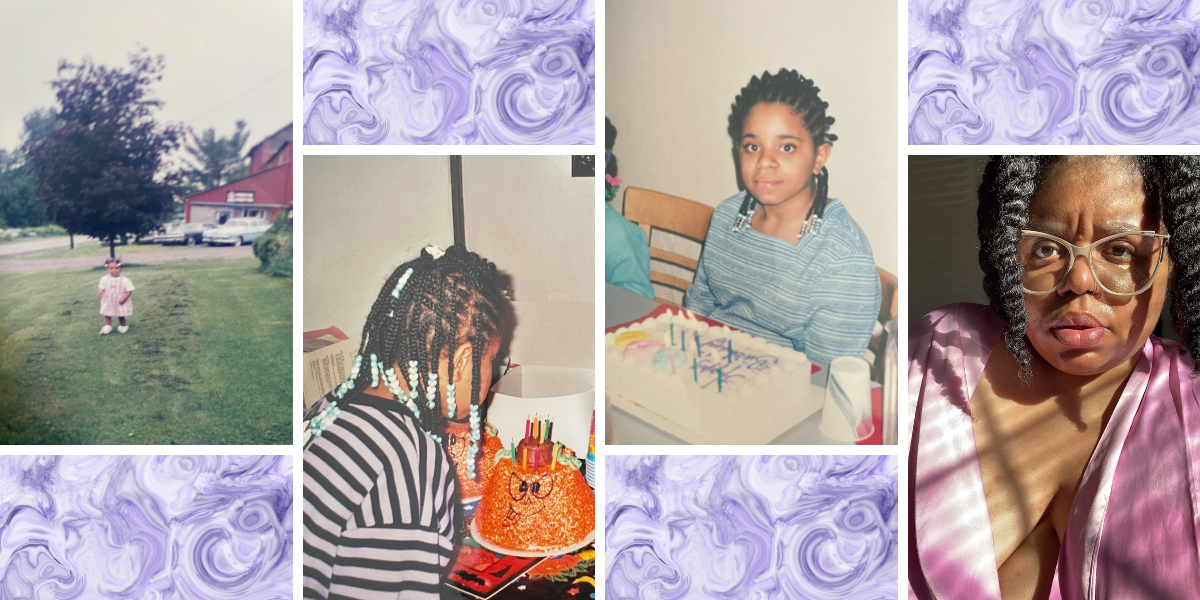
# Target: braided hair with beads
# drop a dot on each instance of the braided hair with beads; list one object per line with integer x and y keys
{"x": 799, "y": 93}
{"x": 425, "y": 310}
{"x": 1172, "y": 183}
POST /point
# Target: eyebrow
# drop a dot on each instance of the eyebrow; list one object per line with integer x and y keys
{"x": 786, "y": 136}
{"x": 1106, "y": 227}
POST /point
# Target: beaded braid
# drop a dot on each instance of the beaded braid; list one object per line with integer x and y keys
{"x": 790, "y": 88}
{"x": 424, "y": 310}
{"x": 1009, "y": 183}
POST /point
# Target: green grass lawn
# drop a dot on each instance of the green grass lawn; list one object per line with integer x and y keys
{"x": 94, "y": 249}
{"x": 207, "y": 360}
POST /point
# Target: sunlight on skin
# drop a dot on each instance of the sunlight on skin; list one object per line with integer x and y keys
{"x": 1034, "y": 441}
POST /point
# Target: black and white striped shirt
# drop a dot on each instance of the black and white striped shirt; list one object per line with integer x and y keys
{"x": 380, "y": 500}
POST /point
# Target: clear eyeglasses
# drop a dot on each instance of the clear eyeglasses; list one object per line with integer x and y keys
{"x": 1124, "y": 264}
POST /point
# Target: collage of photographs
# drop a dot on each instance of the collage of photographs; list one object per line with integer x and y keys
{"x": 419, "y": 286}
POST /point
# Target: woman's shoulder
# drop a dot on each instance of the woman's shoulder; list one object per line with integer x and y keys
{"x": 961, "y": 316}
{"x": 1169, "y": 352}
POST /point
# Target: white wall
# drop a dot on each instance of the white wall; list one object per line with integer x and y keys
{"x": 673, "y": 68}
{"x": 363, "y": 217}
{"x": 537, "y": 223}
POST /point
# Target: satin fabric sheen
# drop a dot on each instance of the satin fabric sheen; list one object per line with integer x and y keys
{"x": 1132, "y": 528}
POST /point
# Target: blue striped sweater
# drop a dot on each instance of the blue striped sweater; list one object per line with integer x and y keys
{"x": 819, "y": 296}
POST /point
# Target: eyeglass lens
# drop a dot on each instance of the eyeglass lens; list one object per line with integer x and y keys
{"x": 1123, "y": 265}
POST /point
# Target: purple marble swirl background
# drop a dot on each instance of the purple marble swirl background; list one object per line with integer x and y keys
{"x": 145, "y": 527}
{"x": 1054, "y": 72}
{"x": 751, "y": 527}
{"x": 449, "y": 72}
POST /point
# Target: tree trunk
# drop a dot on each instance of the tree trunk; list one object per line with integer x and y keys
{"x": 112, "y": 247}
{"x": 72, "y": 241}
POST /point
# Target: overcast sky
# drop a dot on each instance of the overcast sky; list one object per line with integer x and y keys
{"x": 216, "y": 50}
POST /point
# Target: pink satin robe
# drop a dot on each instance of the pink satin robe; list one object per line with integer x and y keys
{"x": 1132, "y": 527}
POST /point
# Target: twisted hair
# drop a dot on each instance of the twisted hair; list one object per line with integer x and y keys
{"x": 798, "y": 93}
{"x": 447, "y": 301}
{"x": 610, "y": 159}
{"x": 1170, "y": 183}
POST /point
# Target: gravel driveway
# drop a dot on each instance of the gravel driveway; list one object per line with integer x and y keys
{"x": 141, "y": 258}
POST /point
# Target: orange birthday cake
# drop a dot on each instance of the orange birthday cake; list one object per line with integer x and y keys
{"x": 536, "y": 499}
{"x": 458, "y": 447}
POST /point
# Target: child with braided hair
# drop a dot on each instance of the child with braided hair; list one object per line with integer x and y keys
{"x": 782, "y": 260}
{"x": 381, "y": 492}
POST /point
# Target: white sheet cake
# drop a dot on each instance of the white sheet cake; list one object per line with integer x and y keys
{"x": 738, "y": 389}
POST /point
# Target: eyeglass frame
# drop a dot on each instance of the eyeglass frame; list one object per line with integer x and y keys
{"x": 1086, "y": 252}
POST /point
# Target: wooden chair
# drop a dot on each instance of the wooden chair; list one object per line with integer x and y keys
{"x": 652, "y": 210}
{"x": 889, "y": 306}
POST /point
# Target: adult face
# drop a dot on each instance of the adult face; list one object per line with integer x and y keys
{"x": 1080, "y": 328}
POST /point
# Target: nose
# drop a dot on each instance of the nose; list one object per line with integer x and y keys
{"x": 1080, "y": 280}
{"x": 766, "y": 160}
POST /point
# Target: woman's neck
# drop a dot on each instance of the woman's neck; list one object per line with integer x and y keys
{"x": 1048, "y": 382}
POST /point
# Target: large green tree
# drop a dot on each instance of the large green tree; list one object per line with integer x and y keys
{"x": 103, "y": 169}
{"x": 18, "y": 202}
{"x": 216, "y": 161}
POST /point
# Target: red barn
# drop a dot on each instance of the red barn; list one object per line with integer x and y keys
{"x": 264, "y": 193}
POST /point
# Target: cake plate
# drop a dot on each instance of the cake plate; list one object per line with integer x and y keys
{"x": 587, "y": 541}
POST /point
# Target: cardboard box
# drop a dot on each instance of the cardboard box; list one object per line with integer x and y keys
{"x": 327, "y": 367}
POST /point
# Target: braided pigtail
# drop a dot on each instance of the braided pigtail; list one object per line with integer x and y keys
{"x": 426, "y": 309}
{"x": 1008, "y": 184}
{"x": 1181, "y": 214}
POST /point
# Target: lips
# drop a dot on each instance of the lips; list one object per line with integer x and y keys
{"x": 1078, "y": 330}
{"x": 767, "y": 184}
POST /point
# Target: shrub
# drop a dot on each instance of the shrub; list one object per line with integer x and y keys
{"x": 274, "y": 248}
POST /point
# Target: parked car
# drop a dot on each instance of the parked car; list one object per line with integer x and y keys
{"x": 236, "y": 232}
{"x": 188, "y": 233}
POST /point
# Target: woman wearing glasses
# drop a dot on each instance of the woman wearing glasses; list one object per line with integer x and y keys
{"x": 1056, "y": 443}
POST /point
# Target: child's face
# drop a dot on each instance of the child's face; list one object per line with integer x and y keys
{"x": 114, "y": 269}
{"x": 777, "y": 154}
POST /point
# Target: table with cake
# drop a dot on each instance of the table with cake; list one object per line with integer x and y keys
{"x": 529, "y": 514}
{"x": 674, "y": 377}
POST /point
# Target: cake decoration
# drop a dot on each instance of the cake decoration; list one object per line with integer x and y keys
{"x": 536, "y": 499}
{"x": 706, "y": 381}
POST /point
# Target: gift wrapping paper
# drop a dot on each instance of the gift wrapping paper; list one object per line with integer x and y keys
{"x": 1054, "y": 72}
{"x": 449, "y": 72}
{"x": 146, "y": 527}
{"x": 750, "y": 527}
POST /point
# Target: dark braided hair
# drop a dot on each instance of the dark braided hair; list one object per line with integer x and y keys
{"x": 802, "y": 96}
{"x": 445, "y": 302}
{"x": 1170, "y": 183}
{"x": 610, "y": 159}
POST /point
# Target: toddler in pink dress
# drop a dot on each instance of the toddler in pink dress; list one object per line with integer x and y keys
{"x": 114, "y": 294}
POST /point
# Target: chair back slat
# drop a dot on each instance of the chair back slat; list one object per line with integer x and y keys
{"x": 652, "y": 210}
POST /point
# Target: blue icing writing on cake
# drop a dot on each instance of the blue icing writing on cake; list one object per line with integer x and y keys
{"x": 708, "y": 384}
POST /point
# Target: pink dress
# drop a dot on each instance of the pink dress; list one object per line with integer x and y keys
{"x": 114, "y": 288}
{"x": 1132, "y": 527}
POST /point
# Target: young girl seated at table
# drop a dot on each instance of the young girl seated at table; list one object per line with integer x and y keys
{"x": 782, "y": 260}
{"x": 382, "y": 501}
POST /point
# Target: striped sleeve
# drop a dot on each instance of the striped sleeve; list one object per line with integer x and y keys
{"x": 379, "y": 508}
{"x": 845, "y": 306}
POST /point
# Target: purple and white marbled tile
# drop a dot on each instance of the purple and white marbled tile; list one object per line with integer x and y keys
{"x": 1054, "y": 72}
{"x": 751, "y": 527}
{"x": 449, "y": 72}
{"x": 146, "y": 527}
